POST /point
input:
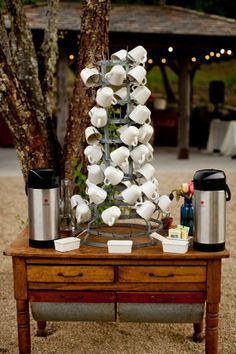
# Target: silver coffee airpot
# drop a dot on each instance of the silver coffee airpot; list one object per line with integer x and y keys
{"x": 43, "y": 207}
{"x": 210, "y": 195}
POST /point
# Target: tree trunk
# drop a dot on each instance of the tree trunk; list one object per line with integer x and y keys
{"x": 23, "y": 104}
{"x": 62, "y": 112}
{"x": 92, "y": 46}
{"x": 26, "y": 101}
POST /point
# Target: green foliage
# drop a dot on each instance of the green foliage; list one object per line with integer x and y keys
{"x": 80, "y": 177}
{"x": 30, "y": 2}
{"x": 155, "y": 80}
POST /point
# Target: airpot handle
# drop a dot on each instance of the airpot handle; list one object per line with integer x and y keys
{"x": 228, "y": 193}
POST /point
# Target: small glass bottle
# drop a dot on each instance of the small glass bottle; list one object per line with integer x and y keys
{"x": 186, "y": 214}
{"x": 66, "y": 214}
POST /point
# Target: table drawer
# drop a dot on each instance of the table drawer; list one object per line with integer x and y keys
{"x": 162, "y": 274}
{"x": 70, "y": 274}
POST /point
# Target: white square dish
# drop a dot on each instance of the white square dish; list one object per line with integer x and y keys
{"x": 119, "y": 246}
{"x": 67, "y": 244}
{"x": 175, "y": 246}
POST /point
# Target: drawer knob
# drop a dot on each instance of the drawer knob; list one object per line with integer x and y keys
{"x": 70, "y": 276}
{"x": 171, "y": 275}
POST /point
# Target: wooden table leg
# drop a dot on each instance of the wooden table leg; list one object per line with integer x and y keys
{"x": 212, "y": 319}
{"x": 23, "y": 322}
{"x": 212, "y": 305}
{"x": 198, "y": 335}
{"x": 41, "y": 330}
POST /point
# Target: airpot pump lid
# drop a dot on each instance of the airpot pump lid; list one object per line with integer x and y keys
{"x": 43, "y": 178}
{"x": 209, "y": 180}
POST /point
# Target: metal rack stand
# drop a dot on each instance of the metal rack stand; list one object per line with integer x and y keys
{"x": 131, "y": 224}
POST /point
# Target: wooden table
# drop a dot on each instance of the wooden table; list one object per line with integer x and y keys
{"x": 89, "y": 275}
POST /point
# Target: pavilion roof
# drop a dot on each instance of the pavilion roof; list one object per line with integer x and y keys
{"x": 141, "y": 19}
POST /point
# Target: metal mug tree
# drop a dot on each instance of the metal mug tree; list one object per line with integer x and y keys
{"x": 130, "y": 223}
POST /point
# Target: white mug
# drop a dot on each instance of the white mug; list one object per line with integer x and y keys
{"x": 147, "y": 171}
{"x": 140, "y": 94}
{"x": 139, "y": 154}
{"x": 92, "y": 135}
{"x": 82, "y": 213}
{"x": 93, "y": 153}
{"x": 131, "y": 194}
{"x": 113, "y": 175}
{"x": 76, "y": 199}
{"x": 95, "y": 174}
{"x": 126, "y": 183}
{"x": 120, "y": 55}
{"x": 121, "y": 94}
{"x": 90, "y": 76}
{"x": 151, "y": 151}
{"x": 111, "y": 215}
{"x": 149, "y": 189}
{"x": 140, "y": 114}
{"x": 164, "y": 203}
{"x": 122, "y": 129}
{"x": 145, "y": 133}
{"x": 98, "y": 117}
{"x": 129, "y": 136}
{"x": 138, "y": 55}
{"x": 116, "y": 75}
{"x": 120, "y": 156}
{"x": 137, "y": 75}
{"x": 97, "y": 195}
{"x": 145, "y": 209}
{"x": 105, "y": 97}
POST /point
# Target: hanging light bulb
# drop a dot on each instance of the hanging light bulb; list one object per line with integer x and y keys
{"x": 163, "y": 60}
{"x": 150, "y": 61}
{"x": 217, "y": 55}
{"x": 71, "y": 57}
{"x": 207, "y": 57}
{"x": 212, "y": 54}
{"x": 222, "y": 51}
{"x": 170, "y": 49}
{"x": 229, "y": 52}
{"x": 194, "y": 59}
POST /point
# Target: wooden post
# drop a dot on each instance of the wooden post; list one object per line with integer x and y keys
{"x": 184, "y": 108}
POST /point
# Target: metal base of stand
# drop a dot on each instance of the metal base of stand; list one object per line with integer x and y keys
{"x": 98, "y": 235}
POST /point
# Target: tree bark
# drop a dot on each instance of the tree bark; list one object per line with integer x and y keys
{"x": 22, "y": 102}
{"x": 30, "y": 141}
{"x": 93, "y": 45}
{"x": 48, "y": 55}
{"x": 62, "y": 112}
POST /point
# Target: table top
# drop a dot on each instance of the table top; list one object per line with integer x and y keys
{"x": 20, "y": 248}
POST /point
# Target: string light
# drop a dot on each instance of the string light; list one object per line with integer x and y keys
{"x": 217, "y": 55}
{"x": 229, "y": 52}
{"x": 207, "y": 57}
{"x": 222, "y": 51}
{"x": 212, "y": 54}
{"x": 163, "y": 60}
{"x": 194, "y": 59}
{"x": 170, "y": 49}
{"x": 150, "y": 61}
{"x": 71, "y": 57}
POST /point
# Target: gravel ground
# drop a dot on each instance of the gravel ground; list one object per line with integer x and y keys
{"x": 111, "y": 338}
